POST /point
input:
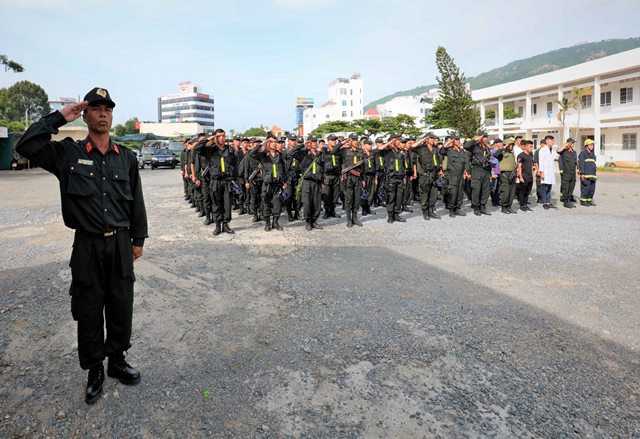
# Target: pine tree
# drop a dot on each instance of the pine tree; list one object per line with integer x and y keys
{"x": 456, "y": 108}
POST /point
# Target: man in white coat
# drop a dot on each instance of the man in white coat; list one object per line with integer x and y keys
{"x": 547, "y": 171}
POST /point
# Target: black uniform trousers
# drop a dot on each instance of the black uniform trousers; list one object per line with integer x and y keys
{"x": 428, "y": 191}
{"x": 311, "y": 198}
{"x": 220, "y": 193}
{"x": 271, "y": 201}
{"x": 291, "y": 204}
{"x": 480, "y": 186}
{"x": 455, "y": 191}
{"x": 407, "y": 194}
{"x": 381, "y": 196}
{"x": 587, "y": 189}
{"x": 395, "y": 190}
{"x": 352, "y": 188}
{"x": 207, "y": 201}
{"x": 185, "y": 184}
{"x": 507, "y": 188}
{"x": 369, "y": 184}
{"x": 255, "y": 194}
{"x": 102, "y": 289}
{"x": 567, "y": 185}
{"x": 331, "y": 192}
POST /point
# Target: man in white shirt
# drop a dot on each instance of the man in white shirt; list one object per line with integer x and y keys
{"x": 547, "y": 171}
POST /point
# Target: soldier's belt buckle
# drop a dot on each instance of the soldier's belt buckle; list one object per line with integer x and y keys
{"x": 106, "y": 234}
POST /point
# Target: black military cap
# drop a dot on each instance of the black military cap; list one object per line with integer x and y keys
{"x": 245, "y": 139}
{"x": 571, "y": 140}
{"x": 236, "y": 137}
{"x": 393, "y": 136}
{"x": 353, "y": 136}
{"x": 430, "y": 135}
{"x": 497, "y": 140}
{"x": 281, "y": 140}
{"x": 293, "y": 136}
{"x": 311, "y": 139}
{"x": 412, "y": 137}
{"x": 270, "y": 135}
{"x": 455, "y": 136}
{"x": 99, "y": 96}
{"x": 403, "y": 140}
{"x": 332, "y": 137}
{"x": 300, "y": 141}
{"x": 483, "y": 133}
{"x": 368, "y": 142}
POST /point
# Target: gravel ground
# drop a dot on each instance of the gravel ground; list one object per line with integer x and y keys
{"x": 504, "y": 326}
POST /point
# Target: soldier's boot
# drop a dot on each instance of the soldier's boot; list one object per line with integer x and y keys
{"x": 390, "y": 217}
{"x": 354, "y": 218}
{"x": 315, "y": 225}
{"x": 201, "y": 212}
{"x": 452, "y": 213}
{"x": 335, "y": 214}
{"x": 406, "y": 208}
{"x": 296, "y": 215}
{"x": 592, "y": 204}
{"x": 349, "y": 222}
{"x": 425, "y": 215}
{"x": 326, "y": 213}
{"x": 242, "y": 211}
{"x": 567, "y": 204}
{"x": 255, "y": 217}
{"x": 365, "y": 210}
{"x": 275, "y": 224}
{"x": 309, "y": 225}
{"x": 217, "y": 230}
{"x": 267, "y": 224}
{"x": 290, "y": 215}
{"x": 209, "y": 219}
{"x": 511, "y": 210}
{"x": 397, "y": 217}
{"x": 505, "y": 210}
{"x": 227, "y": 229}
{"x": 458, "y": 212}
{"x": 483, "y": 211}
{"x": 476, "y": 211}
{"x": 432, "y": 213}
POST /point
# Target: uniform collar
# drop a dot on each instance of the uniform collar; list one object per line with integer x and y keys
{"x": 112, "y": 146}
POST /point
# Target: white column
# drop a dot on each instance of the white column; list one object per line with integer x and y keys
{"x": 527, "y": 108}
{"x": 563, "y": 134}
{"x": 500, "y": 116}
{"x": 600, "y": 159}
{"x": 595, "y": 100}
{"x": 482, "y": 113}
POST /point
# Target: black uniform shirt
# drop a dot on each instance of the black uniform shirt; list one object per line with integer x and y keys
{"x": 526, "y": 160}
{"x": 428, "y": 160}
{"x": 99, "y": 193}
{"x": 568, "y": 161}
{"x": 456, "y": 161}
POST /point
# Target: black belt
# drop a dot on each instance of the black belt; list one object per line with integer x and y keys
{"x": 102, "y": 234}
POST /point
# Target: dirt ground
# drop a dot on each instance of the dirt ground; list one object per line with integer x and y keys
{"x": 504, "y": 326}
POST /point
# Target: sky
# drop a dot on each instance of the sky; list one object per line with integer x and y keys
{"x": 256, "y": 57}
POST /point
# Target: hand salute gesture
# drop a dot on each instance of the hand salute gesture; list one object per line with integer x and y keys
{"x": 73, "y": 111}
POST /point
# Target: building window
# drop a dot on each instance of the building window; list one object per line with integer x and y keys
{"x": 343, "y": 91}
{"x": 630, "y": 141}
{"x": 549, "y": 107}
{"x": 351, "y": 103}
{"x": 534, "y": 109}
{"x": 605, "y": 99}
{"x": 586, "y": 101}
{"x": 352, "y": 114}
{"x": 344, "y": 114}
{"x": 327, "y": 116}
{"x": 351, "y": 90}
{"x": 626, "y": 95}
{"x": 520, "y": 110}
{"x": 344, "y": 103}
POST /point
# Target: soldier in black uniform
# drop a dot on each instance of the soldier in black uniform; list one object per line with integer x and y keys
{"x": 293, "y": 176}
{"x": 480, "y": 173}
{"x": 351, "y": 176}
{"x": 409, "y": 173}
{"x": 198, "y": 195}
{"x": 223, "y": 170}
{"x": 243, "y": 196}
{"x": 370, "y": 173}
{"x": 274, "y": 181}
{"x": 394, "y": 165}
{"x": 202, "y": 157}
{"x": 190, "y": 178}
{"x": 455, "y": 174}
{"x": 311, "y": 160}
{"x": 101, "y": 196}
{"x": 568, "y": 164}
{"x": 525, "y": 175}
{"x": 331, "y": 191}
{"x": 429, "y": 169}
{"x": 253, "y": 181}
{"x": 380, "y": 198}
{"x": 183, "y": 159}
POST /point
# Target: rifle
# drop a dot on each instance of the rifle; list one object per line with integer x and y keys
{"x": 352, "y": 168}
{"x": 255, "y": 172}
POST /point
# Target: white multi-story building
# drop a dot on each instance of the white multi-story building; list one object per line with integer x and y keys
{"x": 416, "y": 106}
{"x": 345, "y": 103}
{"x": 59, "y": 104}
{"x": 189, "y": 105}
{"x": 610, "y": 112}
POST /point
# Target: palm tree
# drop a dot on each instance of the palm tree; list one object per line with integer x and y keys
{"x": 563, "y": 107}
{"x": 578, "y": 93}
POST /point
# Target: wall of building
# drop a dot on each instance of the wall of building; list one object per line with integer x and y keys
{"x": 172, "y": 129}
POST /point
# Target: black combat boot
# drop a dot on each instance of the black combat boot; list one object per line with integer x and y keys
{"x": 267, "y": 224}
{"x": 242, "y": 210}
{"x": 315, "y": 225}
{"x": 425, "y": 215}
{"x": 296, "y": 215}
{"x": 308, "y": 226}
{"x": 255, "y": 217}
{"x": 406, "y": 208}
{"x": 452, "y": 213}
{"x": 227, "y": 229}
{"x": 458, "y": 212}
{"x": 289, "y": 216}
{"x": 334, "y": 214}
{"x": 365, "y": 210}
{"x": 505, "y": 210}
{"x": 122, "y": 371}
{"x": 476, "y": 211}
{"x": 432, "y": 213}
{"x": 217, "y": 230}
{"x": 275, "y": 224}
{"x": 349, "y": 222}
{"x": 95, "y": 379}
{"x": 390, "y": 217}
{"x": 397, "y": 217}
{"x": 567, "y": 204}
{"x": 483, "y": 210}
{"x": 326, "y": 214}
{"x": 209, "y": 219}
{"x": 354, "y": 219}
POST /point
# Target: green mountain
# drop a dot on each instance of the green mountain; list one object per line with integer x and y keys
{"x": 535, "y": 65}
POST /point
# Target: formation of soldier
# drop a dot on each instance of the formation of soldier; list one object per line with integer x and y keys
{"x": 312, "y": 176}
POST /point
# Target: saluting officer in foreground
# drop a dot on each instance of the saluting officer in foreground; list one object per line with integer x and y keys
{"x": 101, "y": 196}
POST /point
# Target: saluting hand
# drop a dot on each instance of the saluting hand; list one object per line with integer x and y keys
{"x": 73, "y": 111}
